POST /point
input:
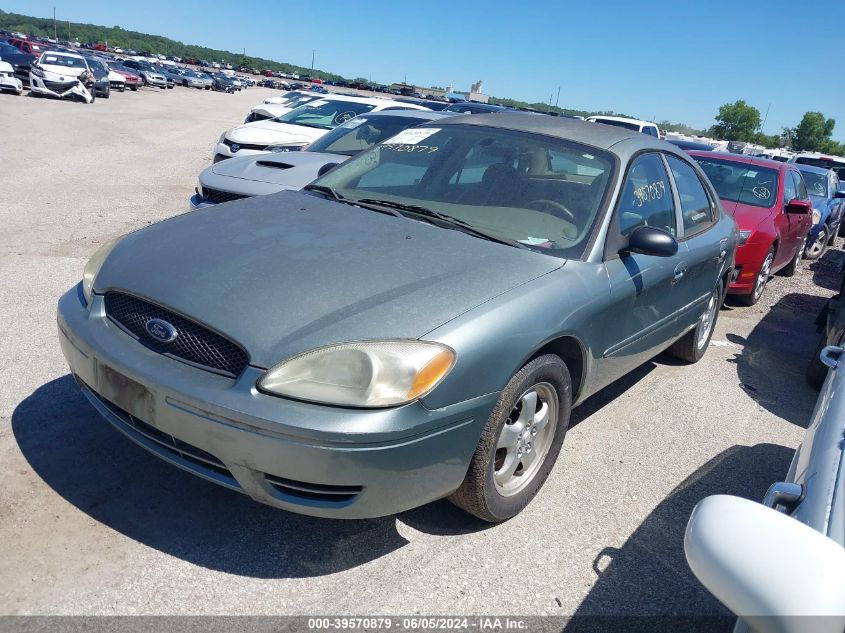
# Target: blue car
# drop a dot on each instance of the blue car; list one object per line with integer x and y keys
{"x": 828, "y": 197}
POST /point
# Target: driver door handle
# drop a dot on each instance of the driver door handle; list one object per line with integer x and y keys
{"x": 680, "y": 271}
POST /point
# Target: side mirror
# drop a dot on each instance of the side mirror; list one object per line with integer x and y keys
{"x": 768, "y": 568}
{"x": 839, "y": 194}
{"x": 800, "y": 207}
{"x": 648, "y": 240}
{"x": 326, "y": 168}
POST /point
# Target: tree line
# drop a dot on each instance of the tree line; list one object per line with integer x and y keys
{"x": 740, "y": 121}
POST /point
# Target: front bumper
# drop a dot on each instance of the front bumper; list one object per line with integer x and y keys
{"x": 311, "y": 459}
{"x": 749, "y": 260}
{"x": 154, "y": 81}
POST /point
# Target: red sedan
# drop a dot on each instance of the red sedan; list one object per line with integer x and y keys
{"x": 771, "y": 207}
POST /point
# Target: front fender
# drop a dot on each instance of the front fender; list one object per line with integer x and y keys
{"x": 494, "y": 340}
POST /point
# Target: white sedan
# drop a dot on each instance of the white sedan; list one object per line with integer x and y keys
{"x": 300, "y": 126}
{"x": 780, "y": 565}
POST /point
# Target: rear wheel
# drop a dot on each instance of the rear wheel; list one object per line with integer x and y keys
{"x": 817, "y": 247}
{"x": 761, "y": 280}
{"x": 520, "y": 442}
{"x": 693, "y": 345}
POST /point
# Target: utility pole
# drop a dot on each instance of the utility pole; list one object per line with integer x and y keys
{"x": 55, "y": 35}
{"x": 763, "y": 125}
{"x": 558, "y": 96}
{"x": 312, "y": 61}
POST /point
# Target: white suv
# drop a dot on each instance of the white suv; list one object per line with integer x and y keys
{"x": 646, "y": 127}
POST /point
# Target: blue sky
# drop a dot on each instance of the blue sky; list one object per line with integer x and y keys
{"x": 664, "y": 59}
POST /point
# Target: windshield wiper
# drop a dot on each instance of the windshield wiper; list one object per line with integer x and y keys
{"x": 328, "y": 191}
{"x": 456, "y": 223}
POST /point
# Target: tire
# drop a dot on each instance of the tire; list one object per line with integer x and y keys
{"x": 761, "y": 280}
{"x": 481, "y": 494}
{"x": 816, "y": 369}
{"x": 107, "y": 93}
{"x": 693, "y": 345}
{"x": 792, "y": 266}
{"x": 815, "y": 249}
{"x": 133, "y": 88}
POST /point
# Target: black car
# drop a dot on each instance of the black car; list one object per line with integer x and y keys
{"x": 102, "y": 87}
{"x": 831, "y": 326}
{"x": 688, "y": 145}
{"x": 426, "y": 103}
{"x": 222, "y": 83}
{"x": 470, "y": 107}
{"x": 19, "y": 60}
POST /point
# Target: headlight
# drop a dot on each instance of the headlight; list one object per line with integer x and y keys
{"x": 283, "y": 148}
{"x": 35, "y": 70}
{"x": 743, "y": 237}
{"x": 362, "y": 374}
{"x": 222, "y": 137}
{"x": 816, "y": 216}
{"x": 89, "y": 274}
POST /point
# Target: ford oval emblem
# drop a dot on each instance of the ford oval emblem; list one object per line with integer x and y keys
{"x": 161, "y": 330}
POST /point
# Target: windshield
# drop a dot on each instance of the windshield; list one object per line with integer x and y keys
{"x": 816, "y": 183}
{"x": 540, "y": 191}
{"x": 63, "y": 60}
{"x": 741, "y": 182}
{"x": 325, "y": 114}
{"x": 361, "y": 133}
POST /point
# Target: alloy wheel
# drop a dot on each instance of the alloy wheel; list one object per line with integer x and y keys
{"x": 707, "y": 320}
{"x": 525, "y": 439}
{"x": 763, "y": 277}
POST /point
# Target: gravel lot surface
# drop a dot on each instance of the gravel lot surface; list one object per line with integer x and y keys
{"x": 91, "y": 524}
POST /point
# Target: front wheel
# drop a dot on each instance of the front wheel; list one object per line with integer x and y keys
{"x": 520, "y": 442}
{"x": 761, "y": 280}
{"x": 817, "y": 247}
{"x": 692, "y": 346}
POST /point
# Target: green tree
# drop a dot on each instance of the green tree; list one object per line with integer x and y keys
{"x": 736, "y": 121}
{"x": 813, "y": 133}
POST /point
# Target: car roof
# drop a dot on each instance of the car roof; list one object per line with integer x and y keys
{"x": 600, "y": 136}
{"x": 743, "y": 158}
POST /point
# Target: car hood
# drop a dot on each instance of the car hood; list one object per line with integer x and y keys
{"x": 284, "y": 273}
{"x": 289, "y": 169}
{"x": 270, "y": 132}
{"x": 747, "y": 216}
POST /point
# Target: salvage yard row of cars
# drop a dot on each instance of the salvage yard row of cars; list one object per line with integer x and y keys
{"x": 67, "y": 73}
{"x": 478, "y": 276}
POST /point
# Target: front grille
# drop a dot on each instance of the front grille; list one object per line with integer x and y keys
{"x": 232, "y": 144}
{"x": 194, "y": 344}
{"x": 165, "y": 443}
{"x": 58, "y": 86}
{"x": 302, "y": 491}
{"x": 216, "y": 195}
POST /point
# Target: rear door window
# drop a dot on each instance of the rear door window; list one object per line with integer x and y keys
{"x": 696, "y": 208}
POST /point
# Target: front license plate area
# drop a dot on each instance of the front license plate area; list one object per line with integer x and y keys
{"x": 125, "y": 393}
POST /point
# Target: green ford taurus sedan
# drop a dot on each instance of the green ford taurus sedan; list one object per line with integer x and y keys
{"x": 417, "y": 324}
